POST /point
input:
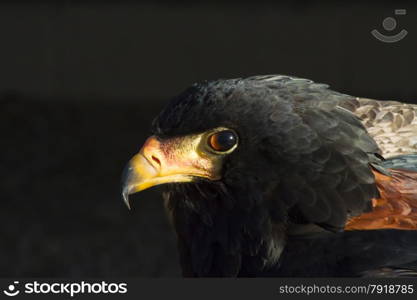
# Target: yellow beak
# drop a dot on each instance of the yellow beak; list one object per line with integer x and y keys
{"x": 167, "y": 161}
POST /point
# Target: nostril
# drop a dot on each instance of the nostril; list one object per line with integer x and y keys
{"x": 155, "y": 159}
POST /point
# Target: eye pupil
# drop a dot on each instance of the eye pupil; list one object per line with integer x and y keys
{"x": 222, "y": 140}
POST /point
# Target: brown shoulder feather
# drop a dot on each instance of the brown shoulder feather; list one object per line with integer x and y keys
{"x": 396, "y": 208}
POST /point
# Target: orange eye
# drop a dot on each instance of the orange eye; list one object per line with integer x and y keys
{"x": 222, "y": 141}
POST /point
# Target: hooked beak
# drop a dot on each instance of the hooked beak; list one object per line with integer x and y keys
{"x": 167, "y": 161}
{"x": 138, "y": 175}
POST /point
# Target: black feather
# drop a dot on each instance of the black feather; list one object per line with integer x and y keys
{"x": 302, "y": 167}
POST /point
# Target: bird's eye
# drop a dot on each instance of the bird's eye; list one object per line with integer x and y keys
{"x": 222, "y": 141}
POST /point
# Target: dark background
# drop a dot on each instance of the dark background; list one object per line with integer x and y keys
{"x": 81, "y": 81}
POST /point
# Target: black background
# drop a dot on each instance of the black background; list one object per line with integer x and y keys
{"x": 81, "y": 81}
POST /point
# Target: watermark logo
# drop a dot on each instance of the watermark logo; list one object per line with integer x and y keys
{"x": 71, "y": 289}
{"x": 12, "y": 290}
{"x": 390, "y": 24}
